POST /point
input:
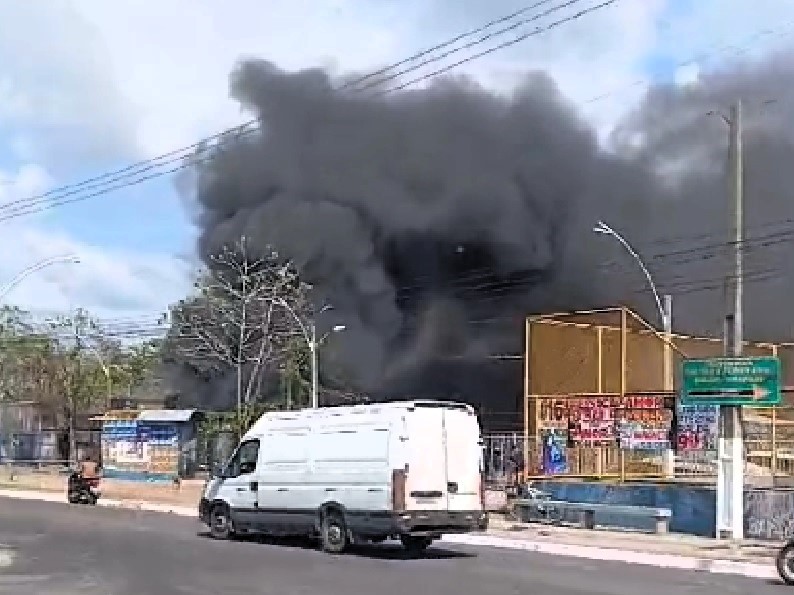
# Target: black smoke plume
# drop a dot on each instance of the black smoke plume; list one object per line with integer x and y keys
{"x": 435, "y": 219}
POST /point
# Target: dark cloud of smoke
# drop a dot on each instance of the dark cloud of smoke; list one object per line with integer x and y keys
{"x": 433, "y": 220}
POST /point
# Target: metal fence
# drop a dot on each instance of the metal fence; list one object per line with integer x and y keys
{"x": 46, "y": 447}
{"x": 214, "y": 448}
{"x": 769, "y": 455}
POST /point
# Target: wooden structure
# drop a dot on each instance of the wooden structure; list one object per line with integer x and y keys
{"x": 611, "y": 353}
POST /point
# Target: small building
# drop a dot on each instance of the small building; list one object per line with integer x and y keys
{"x": 28, "y": 434}
{"x": 150, "y": 445}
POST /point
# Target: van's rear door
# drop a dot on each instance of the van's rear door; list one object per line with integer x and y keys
{"x": 426, "y": 487}
{"x": 444, "y": 458}
{"x": 464, "y": 456}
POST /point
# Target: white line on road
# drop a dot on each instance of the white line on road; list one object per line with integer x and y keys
{"x": 6, "y": 558}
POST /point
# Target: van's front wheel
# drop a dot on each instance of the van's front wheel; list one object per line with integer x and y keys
{"x": 221, "y": 522}
{"x": 334, "y": 533}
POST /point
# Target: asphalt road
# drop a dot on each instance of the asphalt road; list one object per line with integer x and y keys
{"x": 63, "y": 550}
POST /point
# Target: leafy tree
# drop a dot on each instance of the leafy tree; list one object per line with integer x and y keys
{"x": 66, "y": 364}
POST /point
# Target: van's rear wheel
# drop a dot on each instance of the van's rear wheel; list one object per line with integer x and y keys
{"x": 415, "y": 545}
{"x": 334, "y": 532}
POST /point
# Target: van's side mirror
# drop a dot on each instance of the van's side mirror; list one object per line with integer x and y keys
{"x": 217, "y": 471}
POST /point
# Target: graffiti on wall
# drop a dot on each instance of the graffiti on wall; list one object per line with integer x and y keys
{"x": 632, "y": 422}
{"x": 769, "y": 514}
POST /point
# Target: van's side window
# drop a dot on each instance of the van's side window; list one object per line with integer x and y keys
{"x": 244, "y": 460}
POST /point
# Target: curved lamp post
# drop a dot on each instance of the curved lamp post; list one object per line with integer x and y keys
{"x": 665, "y": 312}
{"x": 25, "y": 273}
{"x": 604, "y": 229}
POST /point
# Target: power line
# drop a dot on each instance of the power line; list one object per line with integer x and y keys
{"x": 58, "y": 197}
{"x": 501, "y": 46}
{"x": 25, "y": 206}
{"x": 483, "y": 39}
{"x": 444, "y": 44}
{"x": 179, "y": 153}
{"x": 697, "y": 59}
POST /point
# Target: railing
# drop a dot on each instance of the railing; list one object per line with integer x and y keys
{"x": 503, "y": 456}
{"x": 769, "y": 456}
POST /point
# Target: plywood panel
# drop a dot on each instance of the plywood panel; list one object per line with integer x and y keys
{"x": 564, "y": 356}
{"x": 562, "y": 359}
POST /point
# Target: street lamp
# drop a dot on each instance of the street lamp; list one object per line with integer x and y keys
{"x": 22, "y": 275}
{"x": 665, "y": 312}
{"x": 604, "y": 229}
{"x": 106, "y": 370}
{"x": 310, "y": 336}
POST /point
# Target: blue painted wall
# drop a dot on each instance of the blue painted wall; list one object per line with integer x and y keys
{"x": 768, "y": 513}
{"x": 693, "y": 507}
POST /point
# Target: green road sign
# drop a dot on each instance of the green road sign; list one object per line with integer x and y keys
{"x": 752, "y": 381}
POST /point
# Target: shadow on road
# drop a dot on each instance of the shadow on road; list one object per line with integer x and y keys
{"x": 377, "y": 552}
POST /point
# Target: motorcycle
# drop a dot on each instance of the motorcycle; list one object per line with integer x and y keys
{"x": 82, "y": 491}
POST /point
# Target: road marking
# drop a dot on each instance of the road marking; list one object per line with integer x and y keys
{"x": 6, "y": 558}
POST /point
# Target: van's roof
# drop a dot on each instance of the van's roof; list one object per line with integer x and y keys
{"x": 356, "y": 409}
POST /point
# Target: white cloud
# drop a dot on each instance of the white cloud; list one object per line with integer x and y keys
{"x": 58, "y": 85}
{"x": 173, "y": 64}
{"x": 29, "y": 180}
{"x": 107, "y": 282}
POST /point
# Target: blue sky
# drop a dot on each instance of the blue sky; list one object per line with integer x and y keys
{"x": 94, "y": 85}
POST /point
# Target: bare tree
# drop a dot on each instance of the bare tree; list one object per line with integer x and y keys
{"x": 237, "y": 317}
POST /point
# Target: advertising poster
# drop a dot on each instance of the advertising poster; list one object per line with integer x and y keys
{"x": 645, "y": 429}
{"x": 591, "y": 421}
{"x": 633, "y": 421}
{"x": 554, "y": 461}
{"x": 697, "y": 428}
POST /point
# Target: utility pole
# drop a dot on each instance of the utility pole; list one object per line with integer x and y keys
{"x": 730, "y": 471}
{"x": 74, "y": 388}
{"x": 315, "y": 370}
{"x": 669, "y": 454}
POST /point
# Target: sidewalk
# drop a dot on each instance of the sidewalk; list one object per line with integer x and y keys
{"x": 749, "y": 558}
{"x": 185, "y": 494}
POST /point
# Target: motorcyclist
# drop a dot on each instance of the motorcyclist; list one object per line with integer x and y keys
{"x": 88, "y": 469}
{"x": 84, "y": 482}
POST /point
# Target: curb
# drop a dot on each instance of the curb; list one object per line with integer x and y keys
{"x": 678, "y": 562}
{"x": 103, "y": 502}
{"x": 710, "y": 565}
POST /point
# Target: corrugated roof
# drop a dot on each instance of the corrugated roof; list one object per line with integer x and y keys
{"x": 167, "y": 415}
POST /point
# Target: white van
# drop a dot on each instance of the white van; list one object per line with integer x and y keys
{"x": 410, "y": 470}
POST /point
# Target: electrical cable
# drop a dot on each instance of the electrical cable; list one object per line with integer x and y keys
{"x": 181, "y": 153}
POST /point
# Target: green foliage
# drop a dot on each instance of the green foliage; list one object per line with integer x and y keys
{"x": 217, "y": 423}
{"x": 65, "y": 364}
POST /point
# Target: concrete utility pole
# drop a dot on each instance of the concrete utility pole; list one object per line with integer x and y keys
{"x": 73, "y": 389}
{"x": 730, "y": 471}
{"x": 669, "y": 381}
{"x": 315, "y": 366}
